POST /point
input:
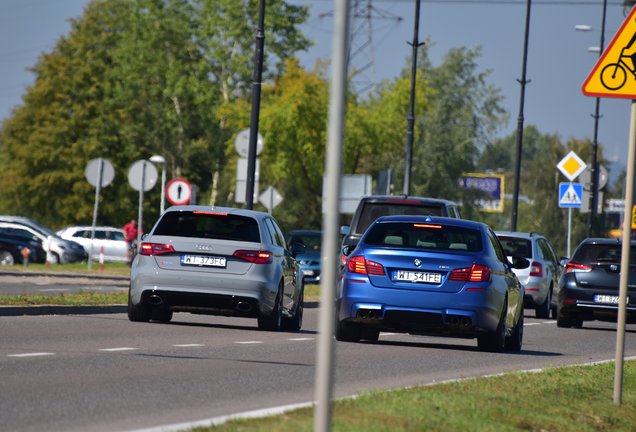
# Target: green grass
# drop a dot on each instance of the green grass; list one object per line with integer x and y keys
{"x": 565, "y": 399}
{"x": 117, "y": 269}
{"x": 88, "y": 298}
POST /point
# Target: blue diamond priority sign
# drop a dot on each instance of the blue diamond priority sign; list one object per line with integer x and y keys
{"x": 570, "y": 195}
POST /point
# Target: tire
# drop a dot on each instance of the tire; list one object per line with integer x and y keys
{"x": 369, "y": 334}
{"x": 543, "y": 310}
{"x": 613, "y": 76}
{"x": 565, "y": 321}
{"x": 347, "y": 332}
{"x": 138, "y": 313}
{"x": 494, "y": 341}
{"x": 161, "y": 314}
{"x": 53, "y": 258}
{"x": 273, "y": 321}
{"x": 6, "y": 258}
{"x": 296, "y": 322}
{"x": 515, "y": 341}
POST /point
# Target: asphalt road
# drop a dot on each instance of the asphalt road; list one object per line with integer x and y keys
{"x": 101, "y": 372}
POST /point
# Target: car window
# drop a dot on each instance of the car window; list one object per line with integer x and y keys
{"x": 117, "y": 236}
{"x": 211, "y": 225}
{"x": 309, "y": 241}
{"x": 498, "y": 247}
{"x": 548, "y": 252}
{"x": 515, "y": 246}
{"x": 277, "y": 235}
{"x": 371, "y": 211}
{"x": 424, "y": 236}
{"x": 593, "y": 253}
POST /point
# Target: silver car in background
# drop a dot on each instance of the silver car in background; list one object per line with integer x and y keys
{"x": 541, "y": 279}
{"x": 216, "y": 261}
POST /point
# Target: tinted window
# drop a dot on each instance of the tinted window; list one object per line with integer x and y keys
{"x": 309, "y": 241}
{"x": 210, "y": 225}
{"x": 517, "y": 247}
{"x": 593, "y": 253}
{"x": 424, "y": 236}
{"x": 371, "y": 211}
{"x": 279, "y": 239}
{"x": 496, "y": 244}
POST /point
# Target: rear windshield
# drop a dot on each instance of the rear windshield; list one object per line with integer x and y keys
{"x": 424, "y": 236}
{"x": 371, "y": 211}
{"x": 208, "y": 225}
{"x": 517, "y": 247}
{"x": 593, "y": 253}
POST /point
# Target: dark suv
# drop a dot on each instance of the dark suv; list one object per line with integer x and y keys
{"x": 372, "y": 207}
{"x": 589, "y": 287}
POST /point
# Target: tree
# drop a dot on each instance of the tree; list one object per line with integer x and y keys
{"x": 133, "y": 79}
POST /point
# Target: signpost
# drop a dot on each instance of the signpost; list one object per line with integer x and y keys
{"x": 570, "y": 196}
{"x": 142, "y": 176}
{"x": 179, "y": 191}
{"x": 613, "y": 76}
{"x": 490, "y": 184}
{"x": 99, "y": 173}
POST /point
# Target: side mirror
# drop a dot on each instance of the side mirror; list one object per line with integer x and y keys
{"x": 520, "y": 263}
{"x": 563, "y": 261}
{"x": 346, "y": 251}
{"x": 344, "y": 230}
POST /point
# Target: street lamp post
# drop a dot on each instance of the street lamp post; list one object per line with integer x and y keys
{"x": 161, "y": 160}
{"x": 595, "y": 171}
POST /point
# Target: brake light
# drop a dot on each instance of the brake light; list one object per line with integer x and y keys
{"x": 536, "y": 269}
{"x": 256, "y": 257}
{"x": 427, "y": 226}
{"x": 153, "y": 249}
{"x": 476, "y": 273}
{"x": 214, "y": 213}
{"x": 358, "y": 264}
{"x": 577, "y": 267}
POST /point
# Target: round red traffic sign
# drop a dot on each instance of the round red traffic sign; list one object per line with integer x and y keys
{"x": 179, "y": 191}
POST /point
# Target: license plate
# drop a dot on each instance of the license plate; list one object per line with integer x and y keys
{"x": 607, "y": 299}
{"x": 418, "y": 277}
{"x": 207, "y": 261}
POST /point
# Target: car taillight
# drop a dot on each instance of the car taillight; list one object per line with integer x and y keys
{"x": 536, "y": 269}
{"x": 358, "y": 264}
{"x": 155, "y": 249}
{"x": 253, "y": 256}
{"x": 476, "y": 273}
{"x": 577, "y": 267}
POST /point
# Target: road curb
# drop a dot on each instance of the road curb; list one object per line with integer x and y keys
{"x": 61, "y": 310}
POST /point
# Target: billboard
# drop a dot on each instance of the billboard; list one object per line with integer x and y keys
{"x": 491, "y": 184}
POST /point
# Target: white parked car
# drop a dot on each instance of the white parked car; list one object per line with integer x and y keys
{"x": 111, "y": 239}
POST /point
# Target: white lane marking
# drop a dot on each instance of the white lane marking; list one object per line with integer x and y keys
{"x": 300, "y": 339}
{"x": 531, "y": 324}
{"x": 117, "y": 349}
{"x": 188, "y": 345}
{"x": 249, "y": 342}
{"x": 35, "y": 354}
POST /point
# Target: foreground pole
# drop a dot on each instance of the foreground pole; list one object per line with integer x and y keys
{"x": 330, "y": 257}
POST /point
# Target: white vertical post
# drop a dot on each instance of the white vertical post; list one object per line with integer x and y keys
{"x": 330, "y": 257}
{"x": 625, "y": 260}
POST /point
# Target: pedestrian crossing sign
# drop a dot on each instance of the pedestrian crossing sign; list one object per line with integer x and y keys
{"x": 570, "y": 195}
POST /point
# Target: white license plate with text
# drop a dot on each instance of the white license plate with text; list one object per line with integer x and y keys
{"x": 207, "y": 261}
{"x": 418, "y": 277}
{"x": 607, "y": 299}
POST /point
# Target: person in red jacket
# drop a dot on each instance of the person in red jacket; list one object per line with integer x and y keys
{"x": 131, "y": 231}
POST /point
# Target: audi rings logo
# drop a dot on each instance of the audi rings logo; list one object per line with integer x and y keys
{"x": 417, "y": 262}
{"x": 203, "y": 247}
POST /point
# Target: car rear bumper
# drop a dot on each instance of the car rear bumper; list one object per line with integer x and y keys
{"x": 586, "y": 305}
{"x": 459, "y": 314}
{"x": 213, "y": 295}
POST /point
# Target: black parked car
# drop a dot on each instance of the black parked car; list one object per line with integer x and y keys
{"x": 589, "y": 287}
{"x": 11, "y": 250}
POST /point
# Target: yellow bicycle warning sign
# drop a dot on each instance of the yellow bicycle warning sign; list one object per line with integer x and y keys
{"x": 614, "y": 74}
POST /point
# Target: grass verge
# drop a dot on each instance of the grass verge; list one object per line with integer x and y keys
{"x": 87, "y": 298}
{"x": 564, "y": 399}
{"x": 118, "y": 269}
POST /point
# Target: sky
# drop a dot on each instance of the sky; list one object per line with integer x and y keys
{"x": 558, "y": 60}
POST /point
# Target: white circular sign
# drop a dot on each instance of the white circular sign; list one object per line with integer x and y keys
{"x": 92, "y": 172}
{"x": 142, "y": 169}
{"x": 179, "y": 191}
{"x": 242, "y": 143}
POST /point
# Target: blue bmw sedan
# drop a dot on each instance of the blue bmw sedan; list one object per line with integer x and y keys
{"x": 430, "y": 275}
